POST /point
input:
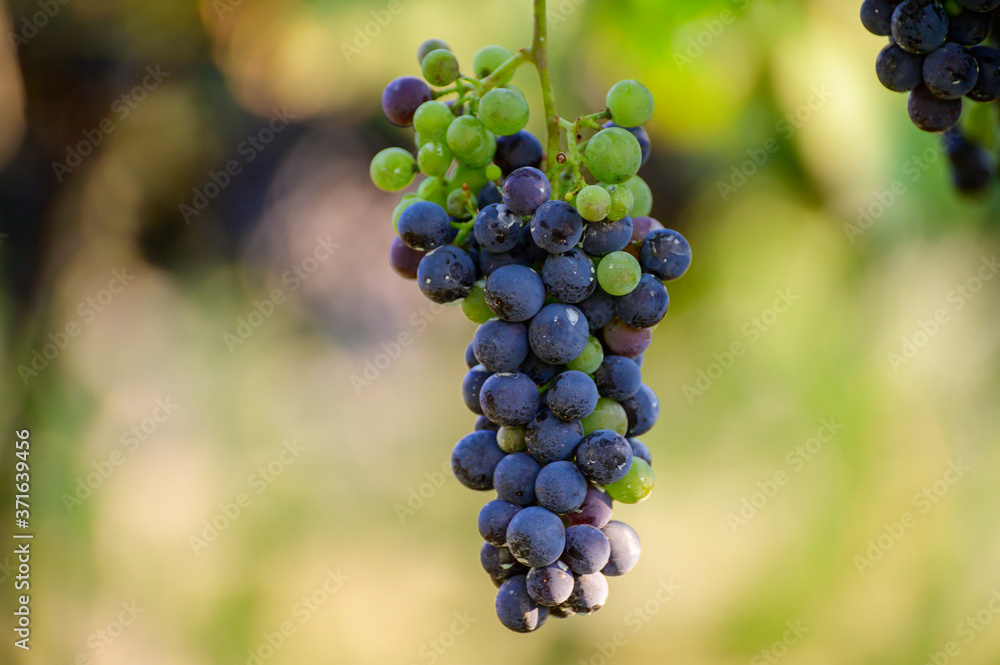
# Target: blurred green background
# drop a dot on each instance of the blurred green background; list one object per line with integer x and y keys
{"x": 231, "y": 359}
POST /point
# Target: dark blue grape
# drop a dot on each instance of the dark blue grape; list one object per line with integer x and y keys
{"x": 950, "y": 71}
{"x": 560, "y": 487}
{"x": 556, "y": 227}
{"x": 569, "y": 277}
{"x": 641, "y": 450}
{"x": 666, "y": 254}
{"x": 551, "y": 585}
{"x": 599, "y": 309}
{"x": 488, "y": 195}
{"x": 403, "y": 259}
{"x": 558, "y": 333}
{"x": 973, "y": 168}
{"x": 475, "y": 458}
{"x": 638, "y": 360}
{"x": 587, "y": 549}
{"x": 625, "y": 548}
{"x": 536, "y": 537}
{"x": 602, "y": 238}
{"x": 424, "y": 226}
{"x": 899, "y": 70}
{"x": 494, "y": 519}
{"x": 514, "y": 478}
{"x": 969, "y": 28}
{"x": 446, "y": 274}
{"x": 604, "y": 456}
{"x": 516, "y": 151}
{"x": 590, "y": 592}
{"x": 501, "y": 346}
{"x": 645, "y": 305}
{"x": 509, "y": 399}
{"x": 515, "y": 293}
{"x": 919, "y": 26}
{"x": 401, "y": 99}
{"x": 618, "y": 378}
{"x": 876, "y": 15}
{"x": 550, "y": 439}
{"x": 470, "y": 358}
{"x": 531, "y": 248}
{"x": 490, "y": 262}
{"x": 497, "y": 229}
{"x": 640, "y": 135}
{"x": 642, "y": 410}
{"x": 988, "y": 83}
{"x": 595, "y": 509}
{"x": 472, "y": 384}
{"x": 525, "y": 190}
{"x": 485, "y": 424}
{"x": 572, "y": 396}
{"x": 540, "y": 372}
{"x": 515, "y": 608}
{"x": 499, "y": 563}
{"x": 931, "y": 113}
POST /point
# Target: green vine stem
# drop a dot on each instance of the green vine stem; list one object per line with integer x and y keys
{"x": 540, "y": 56}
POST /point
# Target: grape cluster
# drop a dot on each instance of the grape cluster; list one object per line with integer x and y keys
{"x": 938, "y": 53}
{"x": 565, "y": 280}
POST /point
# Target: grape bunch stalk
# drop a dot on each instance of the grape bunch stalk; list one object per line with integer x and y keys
{"x": 940, "y": 53}
{"x": 552, "y": 252}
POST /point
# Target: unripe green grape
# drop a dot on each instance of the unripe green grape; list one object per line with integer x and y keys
{"x": 631, "y": 103}
{"x": 503, "y": 112}
{"x": 474, "y": 306}
{"x": 466, "y": 136}
{"x": 618, "y": 273}
{"x": 487, "y": 59}
{"x": 511, "y": 439}
{"x": 613, "y": 155}
{"x": 636, "y": 486}
{"x": 434, "y": 159}
{"x": 428, "y": 46}
{"x": 407, "y": 201}
{"x": 433, "y": 190}
{"x": 493, "y": 172}
{"x": 511, "y": 86}
{"x": 643, "y": 196}
{"x": 432, "y": 120}
{"x": 466, "y": 175}
{"x": 593, "y": 203}
{"x": 393, "y": 169}
{"x": 608, "y": 414}
{"x": 457, "y": 205}
{"x": 482, "y": 157}
{"x": 589, "y": 359}
{"x": 440, "y": 67}
{"x": 621, "y": 202}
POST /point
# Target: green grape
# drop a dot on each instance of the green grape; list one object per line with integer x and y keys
{"x": 589, "y": 359}
{"x": 593, "y": 202}
{"x": 493, "y": 172}
{"x": 511, "y": 439}
{"x": 608, "y": 414}
{"x": 393, "y": 169}
{"x": 636, "y": 486}
{"x": 511, "y": 86}
{"x": 503, "y": 112}
{"x": 432, "y": 120}
{"x": 457, "y": 205}
{"x": 466, "y": 175}
{"x": 407, "y": 201}
{"x": 434, "y": 159}
{"x": 440, "y": 67}
{"x": 428, "y": 46}
{"x": 467, "y": 136}
{"x": 618, "y": 273}
{"x": 487, "y": 59}
{"x": 621, "y": 202}
{"x": 474, "y": 306}
{"x": 631, "y": 103}
{"x": 642, "y": 195}
{"x": 433, "y": 190}
{"x": 482, "y": 157}
{"x": 613, "y": 155}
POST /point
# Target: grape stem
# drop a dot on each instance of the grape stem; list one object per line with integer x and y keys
{"x": 540, "y": 56}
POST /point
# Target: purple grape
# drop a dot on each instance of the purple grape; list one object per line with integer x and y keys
{"x": 401, "y": 99}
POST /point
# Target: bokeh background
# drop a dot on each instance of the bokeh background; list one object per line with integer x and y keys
{"x": 166, "y": 403}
